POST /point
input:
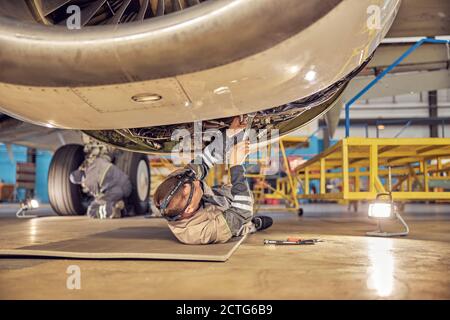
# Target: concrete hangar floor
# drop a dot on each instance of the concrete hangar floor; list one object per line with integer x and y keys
{"x": 347, "y": 265}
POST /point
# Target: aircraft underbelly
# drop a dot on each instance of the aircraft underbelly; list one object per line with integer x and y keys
{"x": 297, "y": 67}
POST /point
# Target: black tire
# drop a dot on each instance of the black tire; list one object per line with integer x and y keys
{"x": 300, "y": 212}
{"x": 66, "y": 198}
{"x": 129, "y": 162}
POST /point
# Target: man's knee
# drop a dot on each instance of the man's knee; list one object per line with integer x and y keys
{"x": 237, "y": 221}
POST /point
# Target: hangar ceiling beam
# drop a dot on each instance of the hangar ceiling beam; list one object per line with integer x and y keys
{"x": 426, "y": 54}
{"x": 400, "y": 83}
{"x": 421, "y": 18}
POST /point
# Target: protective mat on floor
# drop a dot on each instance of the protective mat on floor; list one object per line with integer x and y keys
{"x": 129, "y": 243}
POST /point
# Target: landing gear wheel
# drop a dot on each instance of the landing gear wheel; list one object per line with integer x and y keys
{"x": 136, "y": 166}
{"x": 300, "y": 212}
{"x": 66, "y": 198}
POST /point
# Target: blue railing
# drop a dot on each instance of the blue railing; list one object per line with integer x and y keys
{"x": 382, "y": 74}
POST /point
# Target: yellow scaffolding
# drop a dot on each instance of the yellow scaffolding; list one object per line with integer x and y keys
{"x": 414, "y": 162}
{"x": 286, "y": 187}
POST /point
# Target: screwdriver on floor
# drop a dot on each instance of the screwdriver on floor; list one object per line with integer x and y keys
{"x": 293, "y": 241}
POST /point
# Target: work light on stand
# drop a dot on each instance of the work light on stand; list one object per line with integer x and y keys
{"x": 383, "y": 208}
{"x": 25, "y": 206}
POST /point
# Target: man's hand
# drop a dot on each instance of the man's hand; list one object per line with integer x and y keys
{"x": 236, "y": 126}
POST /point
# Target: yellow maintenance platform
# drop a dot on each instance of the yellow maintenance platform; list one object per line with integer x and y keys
{"x": 418, "y": 165}
{"x": 286, "y": 187}
{"x": 357, "y": 168}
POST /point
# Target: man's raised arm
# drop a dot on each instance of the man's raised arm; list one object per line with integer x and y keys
{"x": 215, "y": 152}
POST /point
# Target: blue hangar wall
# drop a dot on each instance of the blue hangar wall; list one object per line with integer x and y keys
{"x": 8, "y": 168}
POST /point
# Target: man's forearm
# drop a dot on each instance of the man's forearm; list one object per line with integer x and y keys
{"x": 202, "y": 164}
{"x": 242, "y": 196}
{"x": 211, "y": 155}
{"x": 216, "y": 152}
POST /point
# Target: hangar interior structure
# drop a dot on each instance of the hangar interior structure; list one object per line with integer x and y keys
{"x": 358, "y": 91}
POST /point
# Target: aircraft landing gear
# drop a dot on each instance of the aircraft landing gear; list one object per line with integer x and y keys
{"x": 68, "y": 199}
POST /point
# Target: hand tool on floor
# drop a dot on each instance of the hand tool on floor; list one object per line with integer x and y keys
{"x": 293, "y": 241}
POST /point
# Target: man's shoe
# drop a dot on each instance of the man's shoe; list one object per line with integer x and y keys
{"x": 262, "y": 222}
{"x": 117, "y": 210}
